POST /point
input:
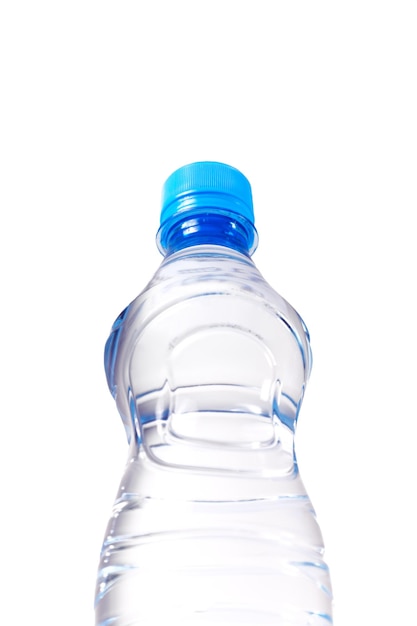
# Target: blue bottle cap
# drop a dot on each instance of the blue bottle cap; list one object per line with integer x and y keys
{"x": 207, "y": 185}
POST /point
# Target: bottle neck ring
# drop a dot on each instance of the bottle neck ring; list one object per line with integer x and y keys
{"x": 205, "y": 227}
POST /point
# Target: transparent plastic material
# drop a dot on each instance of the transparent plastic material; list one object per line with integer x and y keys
{"x": 212, "y": 524}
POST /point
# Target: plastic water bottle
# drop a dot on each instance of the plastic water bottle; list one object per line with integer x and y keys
{"x": 212, "y": 525}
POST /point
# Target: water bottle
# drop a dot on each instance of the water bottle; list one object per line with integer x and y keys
{"x": 212, "y": 525}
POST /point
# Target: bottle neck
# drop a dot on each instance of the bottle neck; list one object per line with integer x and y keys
{"x": 207, "y": 228}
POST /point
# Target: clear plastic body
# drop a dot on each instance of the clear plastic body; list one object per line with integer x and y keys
{"x": 212, "y": 524}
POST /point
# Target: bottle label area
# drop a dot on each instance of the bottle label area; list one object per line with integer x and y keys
{"x": 221, "y": 405}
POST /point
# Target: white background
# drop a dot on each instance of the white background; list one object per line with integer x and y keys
{"x": 316, "y": 102}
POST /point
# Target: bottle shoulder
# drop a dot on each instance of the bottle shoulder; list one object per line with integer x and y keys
{"x": 208, "y": 274}
{"x": 207, "y": 270}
